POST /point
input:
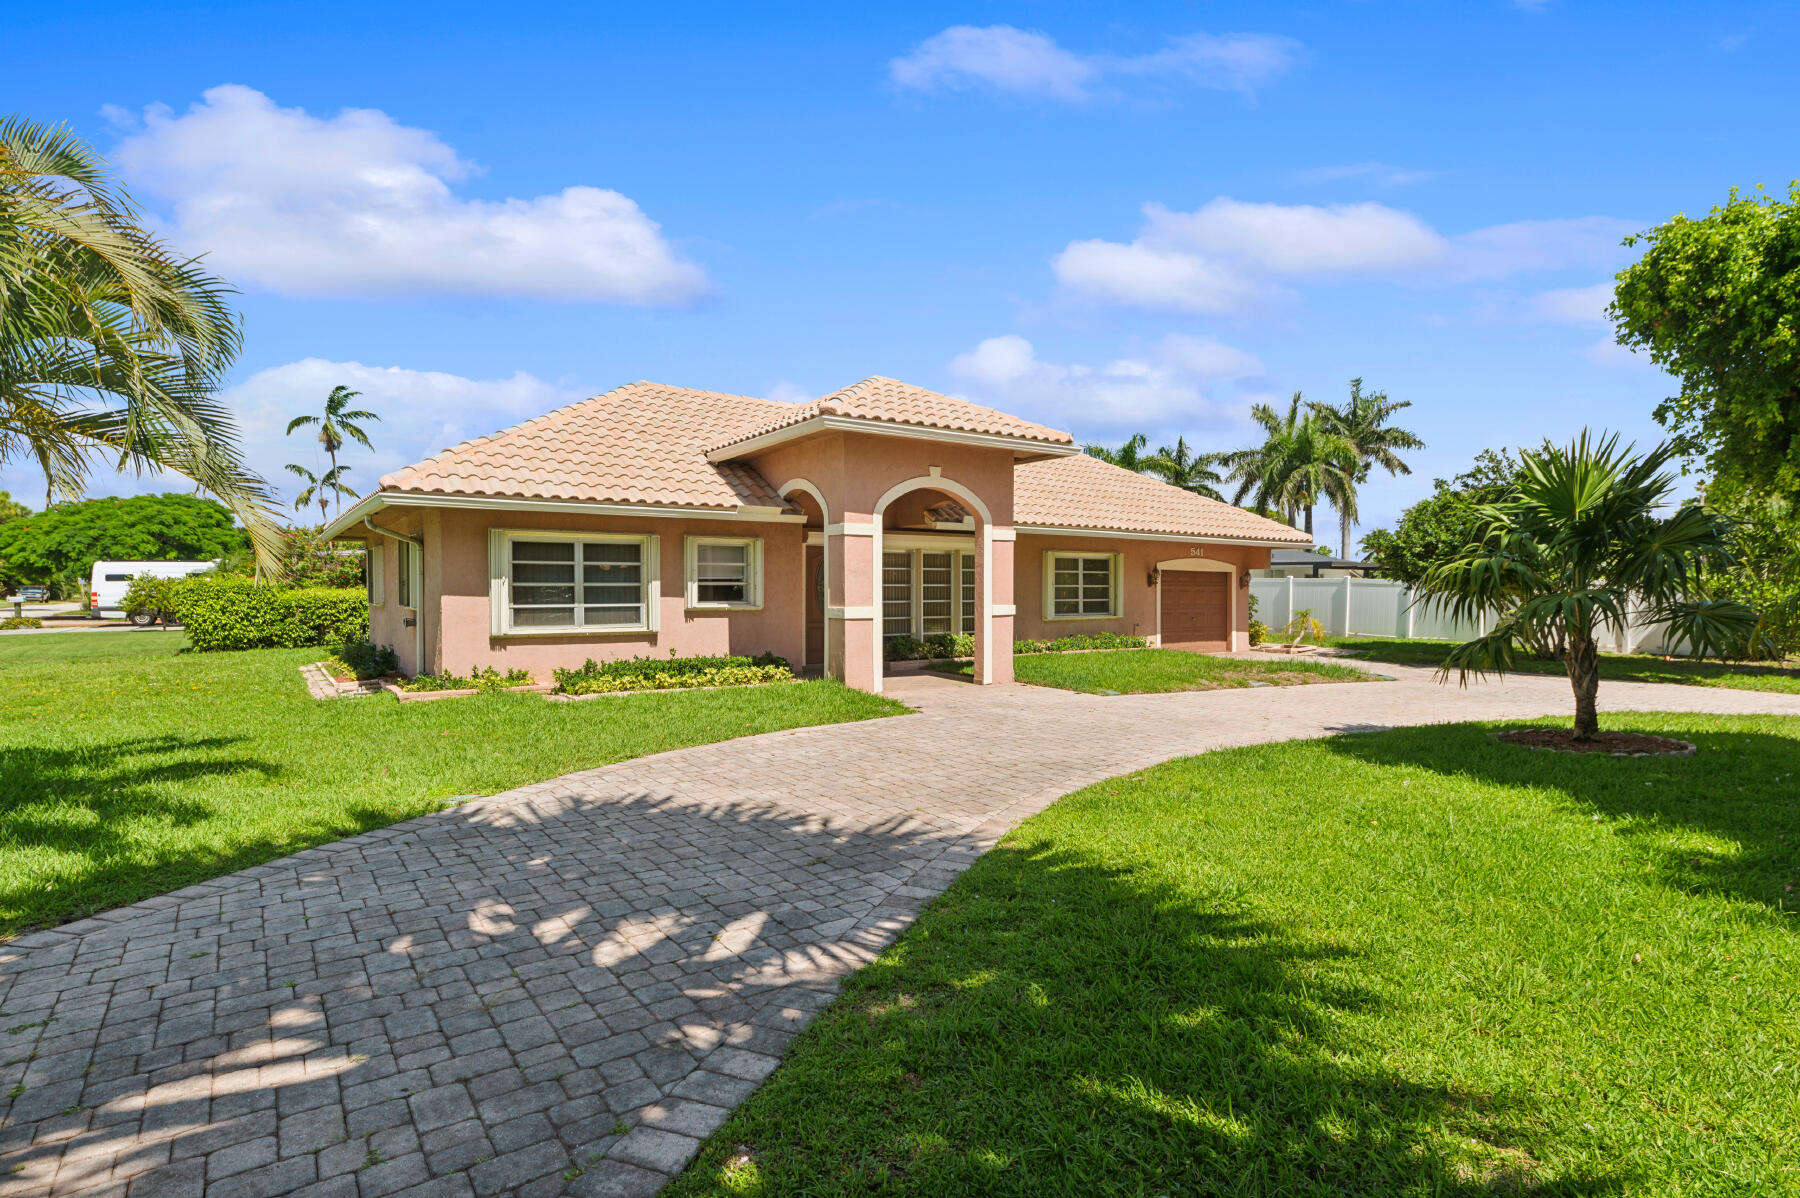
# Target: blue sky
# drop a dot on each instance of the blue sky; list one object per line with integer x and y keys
{"x": 1107, "y": 218}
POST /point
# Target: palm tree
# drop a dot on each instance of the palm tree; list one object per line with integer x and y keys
{"x": 336, "y": 424}
{"x": 1299, "y": 461}
{"x": 1363, "y": 421}
{"x": 111, "y": 345}
{"x": 1129, "y": 455}
{"x": 1581, "y": 539}
{"x": 321, "y": 488}
{"x": 1181, "y": 467}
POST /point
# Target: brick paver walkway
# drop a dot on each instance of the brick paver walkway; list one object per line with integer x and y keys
{"x": 561, "y": 989}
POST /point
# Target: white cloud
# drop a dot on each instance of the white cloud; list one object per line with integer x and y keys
{"x": 1022, "y": 62}
{"x": 1229, "y": 253}
{"x": 1574, "y": 305}
{"x": 422, "y": 412}
{"x": 1163, "y": 391}
{"x": 358, "y": 204}
{"x": 1379, "y": 173}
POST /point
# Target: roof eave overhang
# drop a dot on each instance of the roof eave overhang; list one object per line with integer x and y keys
{"x": 1023, "y": 448}
{"x": 1057, "y": 530}
{"x": 351, "y": 522}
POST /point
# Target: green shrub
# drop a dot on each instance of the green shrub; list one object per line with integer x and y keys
{"x": 362, "y": 660}
{"x": 671, "y": 673}
{"x": 223, "y": 613}
{"x": 150, "y": 592}
{"x": 904, "y": 647}
{"x": 947, "y": 644}
{"x": 1259, "y": 632}
{"x": 487, "y": 678}
{"x": 21, "y": 622}
{"x": 1085, "y": 640}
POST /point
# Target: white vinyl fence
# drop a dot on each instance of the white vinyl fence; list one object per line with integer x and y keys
{"x": 1380, "y": 607}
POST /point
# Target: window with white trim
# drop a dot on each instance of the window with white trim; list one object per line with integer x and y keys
{"x": 403, "y": 572}
{"x": 373, "y": 553}
{"x": 724, "y": 572}
{"x": 1080, "y": 585}
{"x": 551, "y": 582}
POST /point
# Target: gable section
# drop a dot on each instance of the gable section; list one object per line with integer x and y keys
{"x": 1084, "y": 492}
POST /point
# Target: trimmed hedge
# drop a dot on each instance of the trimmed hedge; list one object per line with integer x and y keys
{"x": 930, "y": 648}
{"x": 671, "y": 673}
{"x": 1086, "y": 640}
{"x": 235, "y": 613}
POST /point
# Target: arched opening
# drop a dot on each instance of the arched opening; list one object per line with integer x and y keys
{"x": 933, "y": 572}
{"x": 816, "y": 636}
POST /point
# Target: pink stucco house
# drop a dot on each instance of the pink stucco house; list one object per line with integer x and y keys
{"x": 654, "y": 520}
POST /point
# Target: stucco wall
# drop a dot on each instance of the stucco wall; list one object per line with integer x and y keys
{"x": 457, "y": 621}
{"x": 1138, "y": 602}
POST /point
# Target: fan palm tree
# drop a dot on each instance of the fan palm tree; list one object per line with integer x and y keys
{"x": 111, "y": 345}
{"x": 320, "y": 489}
{"x": 1298, "y": 462}
{"x": 1581, "y": 539}
{"x": 1181, "y": 467}
{"x": 1130, "y": 455}
{"x": 338, "y": 422}
{"x": 1363, "y": 421}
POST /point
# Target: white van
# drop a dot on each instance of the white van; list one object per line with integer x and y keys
{"x": 110, "y": 581}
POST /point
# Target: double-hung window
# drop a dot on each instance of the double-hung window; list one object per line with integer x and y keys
{"x": 1080, "y": 585}
{"x": 724, "y": 572}
{"x": 589, "y": 583}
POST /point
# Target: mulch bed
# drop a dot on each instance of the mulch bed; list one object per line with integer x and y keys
{"x": 1616, "y": 744}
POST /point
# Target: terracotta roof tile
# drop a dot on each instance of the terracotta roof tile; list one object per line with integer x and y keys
{"x": 1084, "y": 492}
{"x": 895, "y": 402}
{"x": 641, "y": 443}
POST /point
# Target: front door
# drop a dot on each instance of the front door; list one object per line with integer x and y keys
{"x": 1196, "y": 610}
{"x": 815, "y": 606}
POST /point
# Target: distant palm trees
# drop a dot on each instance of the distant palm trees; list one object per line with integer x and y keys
{"x": 338, "y": 422}
{"x": 1363, "y": 422}
{"x": 1311, "y": 453}
{"x": 320, "y": 488}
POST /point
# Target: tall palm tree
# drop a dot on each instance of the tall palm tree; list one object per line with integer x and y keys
{"x": 1580, "y": 543}
{"x": 1298, "y": 462}
{"x": 1181, "y": 467}
{"x": 320, "y": 489}
{"x": 338, "y": 422}
{"x": 111, "y": 345}
{"x": 1363, "y": 421}
{"x": 1130, "y": 455}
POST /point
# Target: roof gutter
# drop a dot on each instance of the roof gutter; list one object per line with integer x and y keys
{"x": 1185, "y": 538}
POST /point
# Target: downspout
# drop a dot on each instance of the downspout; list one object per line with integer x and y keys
{"x": 418, "y": 612}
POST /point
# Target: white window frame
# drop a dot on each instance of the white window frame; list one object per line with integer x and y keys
{"x": 374, "y": 563}
{"x": 1113, "y": 561}
{"x": 500, "y": 583}
{"x": 406, "y": 577}
{"x": 753, "y": 573}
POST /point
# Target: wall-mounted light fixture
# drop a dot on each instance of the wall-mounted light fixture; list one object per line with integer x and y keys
{"x": 1155, "y": 576}
{"x": 1243, "y": 580}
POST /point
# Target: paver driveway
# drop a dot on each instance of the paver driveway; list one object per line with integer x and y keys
{"x": 479, "y": 1001}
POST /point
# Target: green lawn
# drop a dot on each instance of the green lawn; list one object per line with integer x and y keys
{"x": 130, "y": 768}
{"x": 1633, "y": 667}
{"x": 1141, "y": 671}
{"x": 1416, "y": 962}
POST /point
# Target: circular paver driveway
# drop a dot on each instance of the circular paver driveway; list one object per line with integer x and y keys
{"x": 474, "y": 1002}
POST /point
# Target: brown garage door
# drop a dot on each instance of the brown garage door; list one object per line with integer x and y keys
{"x": 1196, "y": 610}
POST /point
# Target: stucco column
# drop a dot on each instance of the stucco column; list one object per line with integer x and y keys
{"x": 852, "y": 603}
{"x": 994, "y": 603}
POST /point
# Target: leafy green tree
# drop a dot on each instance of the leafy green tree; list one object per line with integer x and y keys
{"x": 1765, "y": 574}
{"x": 1362, "y": 420}
{"x": 1130, "y": 455}
{"x": 320, "y": 488}
{"x": 1299, "y": 462}
{"x": 1579, "y": 545}
{"x": 11, "y": 509}
{"x": 1181, "y": 467}
{"x": 338, "y": 421}
{"x": 61, "y": 544}
{"x": 1436, "y": 527}
{"x": 1716, "y": 303}
{"x": 111, "y": 345}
